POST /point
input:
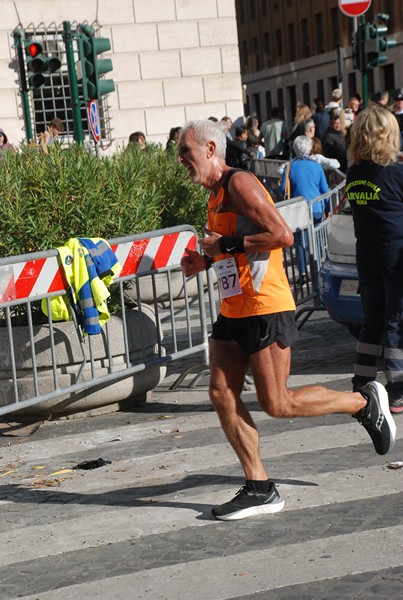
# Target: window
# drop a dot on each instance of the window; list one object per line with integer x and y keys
{"x": 252, "y": 6}
{"x": 264, "y": 7}
{"x": 268, "y": 103}
{"x": 319, "y": 33}
{"x": 292, "y": 98}
{"x": 320, "y": 89}
{"x": 279, "y": 46}
{"x": 266, "y": 48}
{"x": 332, "y": 83}
{"x": 256, "y": 106}
{"x": 244, "y": 52}
{"x": 305, "y": 94}
{"x": 256, "y": 52}
{"x": 352, "y": 83}
{"x": 240, "y": 11}
{"x": 280, "y": 100}
{"x": 291, "y": 41}
{"x": 334, "y": 27}
{"x": 306, "y": 50}
{"x": 388, "y": 73}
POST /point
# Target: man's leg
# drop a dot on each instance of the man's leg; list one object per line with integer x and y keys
{"x": 271, "y": 368}
{"x": 228, "y": 367}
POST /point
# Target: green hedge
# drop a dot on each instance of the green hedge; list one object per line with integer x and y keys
{"x": 48, "y": 198}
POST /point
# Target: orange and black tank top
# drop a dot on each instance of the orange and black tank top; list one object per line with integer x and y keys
{"x": 265, "y": 288}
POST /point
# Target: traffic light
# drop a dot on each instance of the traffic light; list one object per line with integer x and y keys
{"x": 38, "y": 65}
{"x": 92, "y": 67}
{"x": 376, "y": 43}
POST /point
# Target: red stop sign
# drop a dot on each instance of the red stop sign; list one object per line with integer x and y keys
{"x": 354, "y": 8}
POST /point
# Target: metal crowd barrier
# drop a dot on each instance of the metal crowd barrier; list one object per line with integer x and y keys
{"x": 151, "y": 278}
{"x": 298, "y": 214}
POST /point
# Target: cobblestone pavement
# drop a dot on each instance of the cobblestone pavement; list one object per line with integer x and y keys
{"x": 140, "y": 527}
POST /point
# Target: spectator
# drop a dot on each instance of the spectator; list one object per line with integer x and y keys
{"x": 321, "y": 118}
{"x": 333, "y": 143}
{"x": 309, "y": 127}
{"x": 273, "y": 134}
{"x": 337, "y": 103}
{"x": 302, "y": 113}
{"x": 354, "y": 105}
{"x": 253, "y": 141}
{"x": 398, "y": 112}
{"x": 226, "y": 123}
{"x": 173, "y": 139}
{"x": 238, "y": 154}
{"x": 4, "y": 143}
{"x": 374, "y": 188}
{"x": 307, "y": 178}
{"x": 317, "y": 156}
{"x": 54, "y": 129}
{"x": 381, "y": 98}
{"x": 139, "y": 138}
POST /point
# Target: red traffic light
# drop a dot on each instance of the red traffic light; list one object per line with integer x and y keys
{"x": 34, "y": 49}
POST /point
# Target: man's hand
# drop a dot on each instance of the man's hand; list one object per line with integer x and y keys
{"x": 192, "y": 263}
{"x": 209, "y": 244}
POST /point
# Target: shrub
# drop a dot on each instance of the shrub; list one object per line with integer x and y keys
{"x": 48, "y": 198}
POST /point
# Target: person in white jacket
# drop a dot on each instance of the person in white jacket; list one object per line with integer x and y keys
{"x": 317, "y": 156}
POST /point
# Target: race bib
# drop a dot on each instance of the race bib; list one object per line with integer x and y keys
{"x": 227, "y": 276}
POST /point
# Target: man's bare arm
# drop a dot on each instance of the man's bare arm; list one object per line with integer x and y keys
{"x": 248, "y": 198}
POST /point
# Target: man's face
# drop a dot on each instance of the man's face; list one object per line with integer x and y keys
{"x": 354, "y": 105}
{"x": 55, "y": 132}
{"x": 398, "y": 105}
{"x": 193, "y": 157}
{"x": 336, "y": 124}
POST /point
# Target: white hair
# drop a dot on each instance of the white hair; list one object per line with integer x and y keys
{"x": 302, "y": 146}
{"x": 206, "y": 131}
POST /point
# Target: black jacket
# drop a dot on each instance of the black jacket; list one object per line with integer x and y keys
{"x": 334, "y": 146}
{"x": 238, "y": 154}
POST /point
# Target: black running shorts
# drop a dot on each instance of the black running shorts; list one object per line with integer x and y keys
{"x": 255, "y": 333}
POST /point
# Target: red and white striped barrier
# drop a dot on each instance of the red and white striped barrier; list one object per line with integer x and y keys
{"x": 30, "y": 279}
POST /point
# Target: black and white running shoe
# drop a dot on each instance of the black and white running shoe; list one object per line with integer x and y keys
{"x": 248, "y": 502}
{"x": 376, "y": 417}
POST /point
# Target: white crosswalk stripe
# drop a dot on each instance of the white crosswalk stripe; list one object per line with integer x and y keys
{"x": 147, "y": 514}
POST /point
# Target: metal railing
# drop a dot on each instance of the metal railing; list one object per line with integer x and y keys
{"x": 157, "y": 319}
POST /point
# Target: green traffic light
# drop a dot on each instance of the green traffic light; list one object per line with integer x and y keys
{"x": 92, "y": 67}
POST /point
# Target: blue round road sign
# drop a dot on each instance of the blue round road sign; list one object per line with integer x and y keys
{"x": 93, "y": 120}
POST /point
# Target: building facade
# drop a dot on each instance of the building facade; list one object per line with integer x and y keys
{"x": 173, "y": 60}
{"x": 294, "y": 50}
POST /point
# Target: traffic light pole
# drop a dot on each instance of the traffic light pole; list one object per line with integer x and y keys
{"x": 75, "y": 99}
{"x": 23, "y": 81}
{"x": 364, "y": 70}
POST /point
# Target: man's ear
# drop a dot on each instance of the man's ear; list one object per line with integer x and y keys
{"x": 210, "y": 149}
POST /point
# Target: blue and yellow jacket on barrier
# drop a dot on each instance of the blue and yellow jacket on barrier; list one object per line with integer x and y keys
{"x": 89, "y": 266}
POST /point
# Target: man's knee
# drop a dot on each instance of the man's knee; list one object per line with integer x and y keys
{"x": 278, "y": 407}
